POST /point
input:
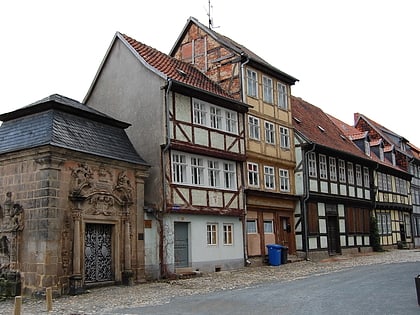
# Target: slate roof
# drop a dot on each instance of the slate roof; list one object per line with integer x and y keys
{"x": 175, "y": 69}
{"x": 62, "y": 122}
{"x": 238, "y": 48}
{"x": 316, "y": 126}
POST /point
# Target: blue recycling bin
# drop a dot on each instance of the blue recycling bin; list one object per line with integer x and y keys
{"x": 274, "y": 254}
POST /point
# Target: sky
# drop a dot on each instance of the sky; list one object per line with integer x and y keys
{"x": 348, "y": 55}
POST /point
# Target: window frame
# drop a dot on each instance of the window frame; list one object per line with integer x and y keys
{"x": 284, "y": 176}
{"x": 228, "y": 234}
{"x": 253, "y": 174}
{"x": 282, "y": 96}
{"x": 212, "y": 234}
{"x": 266, "y": 224}
{"x": 269, "y": 177}
{"x": 333, "y": 168}
{"x": 284, "y": 137}
{"x": 322, "y": 163}
{"x": 254, "y": 225}
{"x": 270, "y": 132}
{"x": 268, "y": 95}
{"x": 251, "y": 83}
{"x": 254, "y": 127}
{"x": 312, "y": 169}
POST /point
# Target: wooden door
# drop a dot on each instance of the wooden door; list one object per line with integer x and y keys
{"x": 181, "y": 249}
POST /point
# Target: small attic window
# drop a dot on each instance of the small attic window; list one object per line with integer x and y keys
{"x": 297, "y": 119}
{"x": 181, "y": 72}
{"x": 320, "y": 128}
{"x": 343, "y": 137}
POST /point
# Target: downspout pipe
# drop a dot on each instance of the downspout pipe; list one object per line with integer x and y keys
{"x": 163, "y": 264}
{"x": 244, "y": 231}
{"x": 306, "y": 198}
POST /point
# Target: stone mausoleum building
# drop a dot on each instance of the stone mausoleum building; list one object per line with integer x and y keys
{"x": 71, "y": 198}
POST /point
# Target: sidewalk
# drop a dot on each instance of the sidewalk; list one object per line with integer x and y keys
{"x": 100, "y": 300}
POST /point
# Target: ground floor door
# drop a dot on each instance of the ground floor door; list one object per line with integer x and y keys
{"x": 98, "y": 252}
{"x": 285, "y": 232}
{"x": 181, "y": 250}
{"x": 333, "y": 235}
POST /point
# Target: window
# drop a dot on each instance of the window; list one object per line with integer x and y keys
{"x": 384, "y": 223}
{"x": 253, "y": 176}
{"x": 359, "y": 179}
{"x": 323, "y": 167}
{"x": 284, "y": 180}
{"x": 350, "y": 173}
{"x": 227, "y": 234}
{"x": 189, "y": 169}
{"x": 251, "y": 226}
{"x": 282, "y": 95}
{"x": 199, "y": 113}
{"x": 220, "y": 118}
{"x": 254, "y": 128}
{"x": 216, "y": 117}
{"x": 267, "y": 90}
{"x": 213, "y": 173}
{"x": 312, "y": 164}
{"x": 211, "y": 234}
{"x": 252, "y": 80}
{"x": 269, "y": 177}
{"x": 333, "y": 169}
{"x": 268, "y": 226}
{"x": 231, "y": 122}
{"x": 229, "y": 175}
{"x": 179, "y": 168}
{"x": 284, "y": 138}
{"x": 269, "y": 132}
{"x": 367, "y": 146}
{"x": 197, "y": 171}
{"x": 342, "y": 171}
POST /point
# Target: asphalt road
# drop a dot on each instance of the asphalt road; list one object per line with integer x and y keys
{"x": 375, "y": 289}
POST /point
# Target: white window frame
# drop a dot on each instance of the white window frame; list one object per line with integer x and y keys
{"x": 359, "y": 179}
{"x": 282, "y": 96}
{"x": 323, "y": 173}
{"x": 312, "y": 164}
{"x": 203, "y": 171}
{"x": 284, "y": 137}
{"x": 212, "y": 234}
{"x": 252, "y": 83}
{"x": 251, "y": 226}
{"x": 227, "y": 234}
{"x": 366, "y": 177}
{"x": 267, "y": 89}
{"x": 270, "y": 133}
{"x": 269, "y": 178}
{"x": 341, "y": 171}
{"x": 284, "y": 176}
{"x": 220, "y": 118}
{"x": 254, "y": 127}
{"x": 253, "y": 174}
{"x": 333, "y": 168}
{"x": 268, "y": 227}
{"x": 350, "y": 173}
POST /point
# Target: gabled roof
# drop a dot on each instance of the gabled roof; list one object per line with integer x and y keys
{"x": 385, "y": 133}
{"x": 62, "y": 122}
{"x": 349, "y": 130}
{"x": 241, "y": 50}
{"x": 316, "y": 127}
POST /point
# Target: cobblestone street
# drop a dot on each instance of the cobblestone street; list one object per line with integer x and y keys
{"x": 101, "y": 300}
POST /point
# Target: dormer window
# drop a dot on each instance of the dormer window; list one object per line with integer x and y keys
{"x": 394, "y": 162}
{"x": 403, "y": 146}
{"x": 381, "y": 153}
{"x": 367, "y": 147}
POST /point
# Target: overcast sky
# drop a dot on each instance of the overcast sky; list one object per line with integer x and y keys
{"x": 349, "y": 56}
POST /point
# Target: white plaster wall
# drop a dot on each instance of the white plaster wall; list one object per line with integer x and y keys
{"x": 151, "y": 249}
{"x": 324, "y": 187}
{"x": 313, "y": 243}
{"x": 334, "y": 189}
{"x": 323, "y": 241}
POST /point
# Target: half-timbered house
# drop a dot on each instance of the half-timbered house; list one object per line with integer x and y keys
{"x": 333, "y": 180}
{"x": 192, "y": 132}
{"x": 269, "y": 168}
{"x": 395, "y": 190}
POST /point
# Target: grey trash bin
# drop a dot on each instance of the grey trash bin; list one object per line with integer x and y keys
{"x": 284, "y": 251}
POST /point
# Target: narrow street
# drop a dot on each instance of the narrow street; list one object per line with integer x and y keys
{"x": 270, "y": 282}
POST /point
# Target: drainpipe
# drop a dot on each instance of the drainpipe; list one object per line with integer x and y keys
{"x": 306, "y": 198}
{"x": 244, "y": 232}
{"x": 163, "y": 264}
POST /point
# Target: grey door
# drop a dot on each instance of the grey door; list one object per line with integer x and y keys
{"x": 98, "y": 254}
{"x": 181, "y": 244}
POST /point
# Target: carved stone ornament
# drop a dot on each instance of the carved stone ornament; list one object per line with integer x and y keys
{"x": 98, "y": 187}
{"x": 12, "y": 218}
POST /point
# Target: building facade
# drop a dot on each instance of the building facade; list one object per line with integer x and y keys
{"x": 270, "y": 162}
{"x": 192, "y": 131}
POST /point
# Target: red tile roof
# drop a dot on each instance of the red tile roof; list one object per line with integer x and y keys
{"x": 318, "y": 128}
{"x": 175, "y": 69}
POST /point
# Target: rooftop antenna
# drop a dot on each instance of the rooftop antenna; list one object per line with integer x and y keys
{"x": 211, "y": 26}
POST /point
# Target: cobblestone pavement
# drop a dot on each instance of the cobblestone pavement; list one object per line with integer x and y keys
{"x": 103, "y": 300}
